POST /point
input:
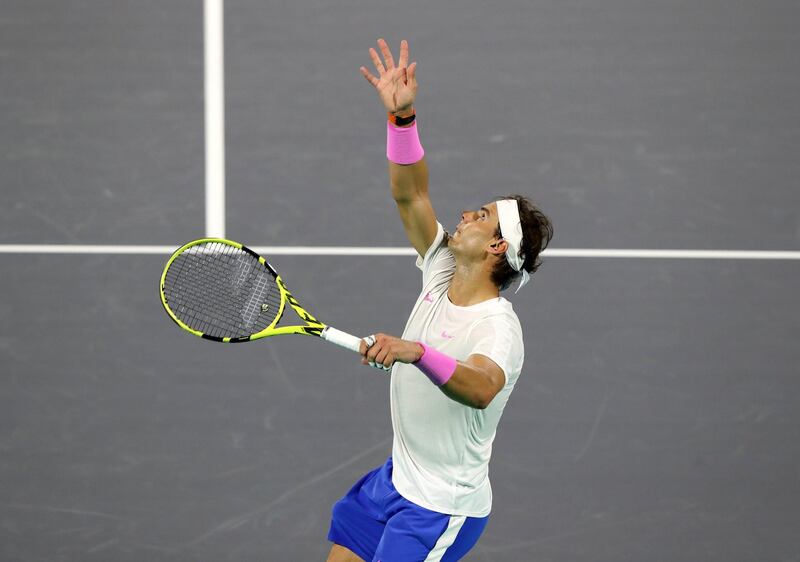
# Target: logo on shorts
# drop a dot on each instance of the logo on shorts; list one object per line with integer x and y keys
{"x": 446, "y": 335}
{"x": 428, "y": 298}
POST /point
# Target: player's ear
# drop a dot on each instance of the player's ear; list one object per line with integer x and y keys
{"x": 498, "y": 247}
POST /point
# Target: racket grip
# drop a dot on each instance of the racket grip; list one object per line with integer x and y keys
{"x": 341, "y": 338}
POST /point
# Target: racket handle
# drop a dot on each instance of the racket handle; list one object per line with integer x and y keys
{"x": 341, "y": 338}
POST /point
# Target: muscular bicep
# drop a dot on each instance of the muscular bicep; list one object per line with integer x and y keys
{"x": 494, "y": 377}
{"x": 419, "y": 222}
{"x": 475, "y": 382}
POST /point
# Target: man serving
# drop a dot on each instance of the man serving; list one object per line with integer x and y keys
{"x": 454, "y": 367}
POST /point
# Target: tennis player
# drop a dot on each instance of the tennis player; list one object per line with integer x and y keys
{"x": 455, "y": 365}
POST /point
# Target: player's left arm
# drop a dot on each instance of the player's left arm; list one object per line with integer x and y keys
{"x": 475, "y": 382}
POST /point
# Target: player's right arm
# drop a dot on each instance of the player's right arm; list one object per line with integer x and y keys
{"x": 397, "y": 88}
{"x": 410, "y": 192}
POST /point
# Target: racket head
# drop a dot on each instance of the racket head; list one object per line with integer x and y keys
{"x": 223, "y": 291}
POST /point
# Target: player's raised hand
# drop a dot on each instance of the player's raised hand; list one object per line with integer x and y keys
{"x": 396, "y": 84}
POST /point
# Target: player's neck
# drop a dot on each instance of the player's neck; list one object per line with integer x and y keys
{"x": 471, "y": 285}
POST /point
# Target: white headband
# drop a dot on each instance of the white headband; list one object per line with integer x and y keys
{"x": 511, "y": 231}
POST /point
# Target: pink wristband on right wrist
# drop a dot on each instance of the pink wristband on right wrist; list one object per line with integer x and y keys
{"x": 436, "y": 365}
{"x": 402, "y": 144}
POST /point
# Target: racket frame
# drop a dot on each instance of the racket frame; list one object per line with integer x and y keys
{"x": 313, "y": 327}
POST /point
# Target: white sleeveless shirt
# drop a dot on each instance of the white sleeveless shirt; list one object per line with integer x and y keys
{"x": 441, "y": 448}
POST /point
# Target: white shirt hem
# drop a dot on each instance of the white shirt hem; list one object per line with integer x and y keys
{"x": 410, "y": 496}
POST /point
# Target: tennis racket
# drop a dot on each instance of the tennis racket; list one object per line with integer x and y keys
{"x": 223, "y": 291}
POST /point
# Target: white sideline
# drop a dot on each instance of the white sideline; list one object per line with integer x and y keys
{"x": 214, "y": 84}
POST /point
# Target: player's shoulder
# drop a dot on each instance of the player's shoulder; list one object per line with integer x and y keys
{"x": 438, "y": 263}
{"x": 500, "y": 315}
{"x": 438, "y": 244}
{"x": 505, "y": 310}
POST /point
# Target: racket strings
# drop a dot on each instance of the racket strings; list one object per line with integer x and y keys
{"x": 222, "y": 291}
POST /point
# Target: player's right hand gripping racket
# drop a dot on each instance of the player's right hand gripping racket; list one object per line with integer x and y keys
{"x": 223, "y": 291}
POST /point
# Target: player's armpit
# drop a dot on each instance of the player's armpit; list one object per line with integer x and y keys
{"x": 419, "y": 221}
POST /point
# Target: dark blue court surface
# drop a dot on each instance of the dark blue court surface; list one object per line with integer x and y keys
{"x": 657, "y": 415}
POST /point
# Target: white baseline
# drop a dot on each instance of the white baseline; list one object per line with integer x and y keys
{"x": 403, "y": 251}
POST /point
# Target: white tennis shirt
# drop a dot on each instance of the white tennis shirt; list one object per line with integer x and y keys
{"x": 441, "y": 448}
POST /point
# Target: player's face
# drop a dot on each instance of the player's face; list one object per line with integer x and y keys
{"x": 476, "y": 231}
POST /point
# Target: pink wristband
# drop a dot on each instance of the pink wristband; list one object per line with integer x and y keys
{"x": 436, "y": 365}
{"x": 402, "y": 144}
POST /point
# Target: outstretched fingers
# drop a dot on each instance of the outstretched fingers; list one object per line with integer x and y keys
{"x": 408, "y": 74}
{"x": 387, "y": 54}
{"x": 411, "y": 73}
{"x": 376, "y": 60}
{"x": 403, "y": 53}
{"x": 370, "y": 78}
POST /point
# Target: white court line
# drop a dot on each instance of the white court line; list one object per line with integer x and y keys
{"x": 402, "y": 251}
{"x": 214, "y": 117}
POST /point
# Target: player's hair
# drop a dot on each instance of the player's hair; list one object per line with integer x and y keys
{"x": 537, "y": 231}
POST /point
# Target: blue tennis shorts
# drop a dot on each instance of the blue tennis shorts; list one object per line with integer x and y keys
{"x": 379, "y": 525}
